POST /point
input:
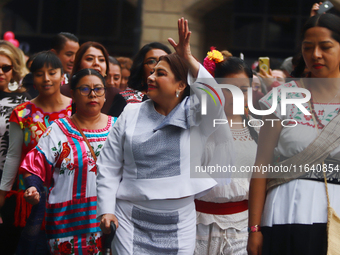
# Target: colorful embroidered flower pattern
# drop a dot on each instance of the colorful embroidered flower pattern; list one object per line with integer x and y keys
{"x": 23, "y": 113}
{"x": 33, "y": 121}
{"x": 91, "y": 162}
{"x": 99, "y": 241}
{"x": 322, "y": 114}
{"x": 92, "y": 247}
{"x": 67, "y": 247}
{"x": 308, "y": 117}
{"x": 27, "y": 136}
{"x": 70, "y": 166}
{"x": 38, "y": 116}
{"x": 63, "y": 248}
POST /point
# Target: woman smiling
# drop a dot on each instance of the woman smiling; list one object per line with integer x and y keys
{"x": 144, "y": 169}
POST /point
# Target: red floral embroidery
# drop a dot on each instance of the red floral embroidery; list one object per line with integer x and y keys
{"x": 92, "y": 249}
{"x": 91, "y": 162}
{"x": 70, "y": 166}
{"x": 308, "y": 117}
{"x": 65, "y": 248}
{"x": 99, "y": 243}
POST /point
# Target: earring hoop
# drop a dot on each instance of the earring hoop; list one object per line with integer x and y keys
{"x": 13, "y": 86}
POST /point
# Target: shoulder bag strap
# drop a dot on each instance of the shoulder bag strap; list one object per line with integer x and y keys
{"x": 315, "y": 153}
{"x": 85, "y": 139}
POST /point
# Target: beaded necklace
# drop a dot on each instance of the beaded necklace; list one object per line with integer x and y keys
{"x": 320, "y": 125}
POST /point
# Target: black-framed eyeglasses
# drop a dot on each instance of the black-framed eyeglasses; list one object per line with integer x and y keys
{"x": 6, "y": 68}
{"x": 151, "y": 63}
{"x": 86, "y": 91}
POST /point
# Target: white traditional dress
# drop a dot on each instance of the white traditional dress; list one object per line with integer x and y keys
{"x": 144, "y": 173}
{"x": 295, "y": 213}
{"x": 227, "y": 233}
{"x": 71, "y": 224}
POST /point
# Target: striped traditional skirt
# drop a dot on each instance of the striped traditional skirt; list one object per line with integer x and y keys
{"x": 294, "y": 219}
{"x": 155, "y": 227}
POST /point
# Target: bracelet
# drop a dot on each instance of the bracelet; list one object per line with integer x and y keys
{"x": 253, "y": 229}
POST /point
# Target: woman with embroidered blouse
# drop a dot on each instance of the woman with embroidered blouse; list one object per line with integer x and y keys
{"x": 290, "y": 217}
{"x": 65, "y": 156}
{"x": 28, "y": 122}
{"x": 144, "y": 176}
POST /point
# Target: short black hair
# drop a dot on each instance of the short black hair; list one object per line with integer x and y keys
{"x": 136, "y": 72}
{"x": 59, "y": 40}
{"x": 82, "y": 73}
{"x": 46, "y": 58}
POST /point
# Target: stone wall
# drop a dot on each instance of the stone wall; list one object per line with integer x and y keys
{"x": 159, "y": 22}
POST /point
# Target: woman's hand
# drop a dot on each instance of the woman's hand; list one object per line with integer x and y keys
{"x": 315, "y": 8}
{"x": 255, "y": 241}
{"x": 32, "y": 196}
{"x": 182, "y": 48}
{"x": 268, "y": 78}
{"x": 105, "y": 223}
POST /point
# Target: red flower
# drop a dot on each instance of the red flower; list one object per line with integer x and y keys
{"x": 308, "y": 117}
{"x": 92, "y": 249}
{"x": 91, "y": 162}
{"x": 70, "y": 166}
{"x": 209, "y": 65}
{"x": 99, "y": 243}
{"x": 65, "y": 248}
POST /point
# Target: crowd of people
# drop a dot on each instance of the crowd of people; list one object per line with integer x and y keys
{"x": 89, "y": 139}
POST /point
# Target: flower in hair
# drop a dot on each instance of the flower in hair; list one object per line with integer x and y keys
{"x": 213, "y": 57}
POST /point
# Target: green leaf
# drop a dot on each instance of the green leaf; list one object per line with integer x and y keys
{"x": 54, "y": 149}
{"x": 97, "y": 153}
{"x": 296, "y": 117}
{"x": 100, "y": 145}
{"x": 59, "y": 144}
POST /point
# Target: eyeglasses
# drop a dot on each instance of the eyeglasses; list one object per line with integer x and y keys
{"x": 6, "y": 68}
{"x": 151, "y": 63}
{"x": 86, "y": 91}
